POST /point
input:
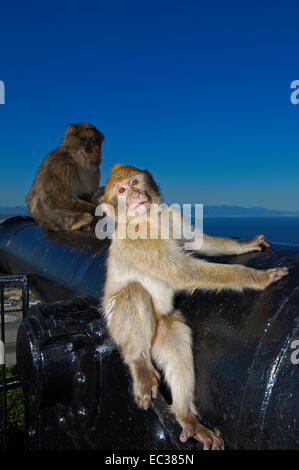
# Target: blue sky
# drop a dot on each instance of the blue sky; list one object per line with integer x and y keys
{"x": 196, "y": 92}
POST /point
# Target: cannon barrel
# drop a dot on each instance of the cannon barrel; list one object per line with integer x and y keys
{"x": 77, "y": 390}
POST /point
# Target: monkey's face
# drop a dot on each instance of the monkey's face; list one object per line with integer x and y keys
{"x": 91, "y": 146}
{"x": 131, "y": 189}
{"x": 84, "y": 142}
{"x": 134, "y": 194}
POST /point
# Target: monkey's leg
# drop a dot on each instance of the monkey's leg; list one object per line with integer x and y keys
{"x": 132, "y": 325}
{"x": 172, "y": 351}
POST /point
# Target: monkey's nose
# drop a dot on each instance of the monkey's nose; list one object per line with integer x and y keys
{"x": 140, "y": 194}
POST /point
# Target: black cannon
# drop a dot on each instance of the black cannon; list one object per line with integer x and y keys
{"x": 77, "y": 390}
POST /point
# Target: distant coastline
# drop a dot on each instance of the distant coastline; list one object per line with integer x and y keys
{"x": 238, "y": 216}
{"x": 208, "y": 211}
{"x": 238, "y": 211}
{"x": 15, "y": 210}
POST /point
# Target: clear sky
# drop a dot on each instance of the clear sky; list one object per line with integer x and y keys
{"x": 197, "y": 92}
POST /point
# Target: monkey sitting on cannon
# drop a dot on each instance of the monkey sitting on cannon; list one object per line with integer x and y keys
{"x": 143, "y": 275}
{"x": 65, "y": 191}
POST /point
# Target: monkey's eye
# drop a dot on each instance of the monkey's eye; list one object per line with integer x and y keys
{"x": 134, "y": 182}
{"x": 121, "y": 190}
{"x": 89, "y": 140}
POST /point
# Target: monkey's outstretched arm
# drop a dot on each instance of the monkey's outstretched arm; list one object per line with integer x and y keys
{"x": 200, "y": 274}
{"x": 169, "y": 263}
{"x": 210, "y": 245}
{"x": 187, "y": 273}
{"x": 217, "y": 246}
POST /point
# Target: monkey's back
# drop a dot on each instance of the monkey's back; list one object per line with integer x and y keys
{"x": 51, "y": 187}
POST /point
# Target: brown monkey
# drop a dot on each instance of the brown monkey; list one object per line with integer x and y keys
{"x": 142, "y": 278}
{"x": 65, "y": 191}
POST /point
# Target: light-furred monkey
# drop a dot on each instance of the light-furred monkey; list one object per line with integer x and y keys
{"x": 65, "y": 191}
{"x": 142, "y": 278}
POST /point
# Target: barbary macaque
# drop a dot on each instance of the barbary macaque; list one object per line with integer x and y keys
{"x": 65, "y": 191}
{"x": 142, "y": 277}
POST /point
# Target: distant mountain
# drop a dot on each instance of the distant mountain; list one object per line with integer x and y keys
{"x": 209, "y": 211}
{"x": 237, "y": 211}
{"x": 20, "y": 210}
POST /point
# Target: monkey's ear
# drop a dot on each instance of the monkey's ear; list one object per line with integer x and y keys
{"x": 116, "y": 166}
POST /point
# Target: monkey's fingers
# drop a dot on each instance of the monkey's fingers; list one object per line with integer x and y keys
{"x": 145, "y": 401}
{"x": 142, "y": 398}
{"x": 218, "y": 443}
{"x": 185, "y": 434}
{"x": 210, "y": 440}
{"x": 262, "y": 240}
{"x": 257, "y": 243}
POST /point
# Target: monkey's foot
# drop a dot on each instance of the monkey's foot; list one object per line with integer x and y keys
{"x": 192, "y": 427}
{"x": 145, "y": 387}
{"x": 275, "y": 274}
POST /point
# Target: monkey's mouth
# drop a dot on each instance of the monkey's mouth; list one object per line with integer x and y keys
{"x": 138, "y": 208}
{"x": 94, "y": 157}
{"x": 145, "y": 203}
{"x": 94, "y": 153}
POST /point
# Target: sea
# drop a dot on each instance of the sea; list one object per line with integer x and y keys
{"x": 277, "y": 229}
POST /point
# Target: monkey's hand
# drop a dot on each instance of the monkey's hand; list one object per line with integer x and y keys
{"x": 89, "y": 227}
{"x": 192, "y": 427}
{"x": 96, "y": 197}
{"x": 273, "y": 275}
{"x": 254, "y": 244}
